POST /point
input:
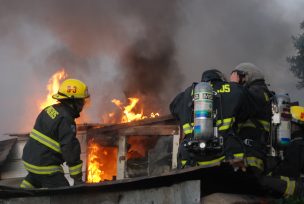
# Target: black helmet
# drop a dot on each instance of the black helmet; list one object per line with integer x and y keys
{"x": 212, "y": 75}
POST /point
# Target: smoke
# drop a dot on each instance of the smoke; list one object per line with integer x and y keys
{"x": 151, "y": 49}
{"x": 223, "y": 34}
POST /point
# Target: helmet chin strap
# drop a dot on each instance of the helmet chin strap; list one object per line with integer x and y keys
{"x": 242, "y": 77}
{"x": 75, "y": 103}
{"x": 242, "y": 81}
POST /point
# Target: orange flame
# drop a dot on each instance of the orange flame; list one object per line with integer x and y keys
{"x": 52, "y": 87}
{"x": 128, "y": 111}
{"x": 101, "y": 162}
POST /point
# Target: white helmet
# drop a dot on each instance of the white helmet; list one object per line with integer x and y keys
{"x": 249, "y": 72}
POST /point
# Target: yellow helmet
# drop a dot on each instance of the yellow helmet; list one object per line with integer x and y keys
{"x": 72, "y": 88}
{"x": 297, "y": 113}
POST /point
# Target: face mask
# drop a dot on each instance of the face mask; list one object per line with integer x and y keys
{"x": 78, "y": 104}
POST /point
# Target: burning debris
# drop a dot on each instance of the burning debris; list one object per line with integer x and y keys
{"x": 143, "y": 148}
{"x": 131, "y": 112}
{"x": 101, "y": 162}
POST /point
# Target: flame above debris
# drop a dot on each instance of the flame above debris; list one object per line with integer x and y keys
{"x": 52, "y": 87}
{"x": 129, "y": 111}
{"x": 101, "y": 162}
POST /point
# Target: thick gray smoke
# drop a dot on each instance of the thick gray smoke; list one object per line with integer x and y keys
{"x": 136, "y": 48}
{"x": 226, "y": 33}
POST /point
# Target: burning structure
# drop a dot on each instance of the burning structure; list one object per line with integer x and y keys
{"x": 131, "y": 143}
{"x": 127, "y": 150}
{"x": 140, "y": 148}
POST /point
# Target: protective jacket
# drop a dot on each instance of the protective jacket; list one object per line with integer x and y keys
{"x": 52, "y": 142}
{"x": 255, "y": 131}
{"x": 293, "y": 164}
{"x": 231, "y": 105}
{"x": 285, "y": 178}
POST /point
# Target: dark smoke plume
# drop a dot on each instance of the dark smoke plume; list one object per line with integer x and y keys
{"x": 123, "y": 48}
{"x": 137, "y": 45}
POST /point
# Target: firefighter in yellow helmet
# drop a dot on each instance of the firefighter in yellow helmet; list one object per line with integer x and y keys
{"x": 53, "y": 140}
{"x": 286, "y": 177}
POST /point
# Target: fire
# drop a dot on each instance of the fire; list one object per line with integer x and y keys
{"x": 101, "y": 162}
{"x": 52, "y": 87}
{"x": 137, "y": 148}
{"x": 129, "y": 114}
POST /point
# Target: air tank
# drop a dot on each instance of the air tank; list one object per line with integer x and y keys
{"x": 203, "y": 111}
{"x": 282, "y": 117}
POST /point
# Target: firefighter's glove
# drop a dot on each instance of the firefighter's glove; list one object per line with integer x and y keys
{"x": 77, "y": 179}
{"x": 237, "y": 164}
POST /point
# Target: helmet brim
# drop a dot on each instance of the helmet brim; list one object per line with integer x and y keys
{"x": 59, "y": 96}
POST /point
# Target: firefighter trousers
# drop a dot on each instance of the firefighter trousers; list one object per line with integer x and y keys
{"x": 44, "y": 181}
{"x": 282, "y": 186}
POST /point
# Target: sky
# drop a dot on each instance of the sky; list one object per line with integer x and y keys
{"x": 151, "y": 49}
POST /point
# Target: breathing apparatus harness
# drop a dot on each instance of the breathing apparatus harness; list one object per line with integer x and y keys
{"x": 205, "y": 134}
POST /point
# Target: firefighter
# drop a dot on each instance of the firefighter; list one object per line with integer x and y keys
{"x": 255, "y": 131}
{"x": 232, "y": 106}
{"x": 285, "y": 178}
{"x": 53, "y": 140}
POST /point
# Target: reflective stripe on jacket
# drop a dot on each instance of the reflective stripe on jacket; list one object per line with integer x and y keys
{"x": 265, "y": 124}
{"x": 290, "y": 186}
{"x": 42, "y": 169}
{"x": 256, "y": 162}
{"x": 188, "y": 128}
{"x": 222, "y": 125}
{"x": 214, "y": 162}
{"x": 45, "y": 140}
{"x": 211, "y": 163}
{"x": 225, "y": 124}
{"x": 74, "y": 170}
{"x": 53, "y": 141}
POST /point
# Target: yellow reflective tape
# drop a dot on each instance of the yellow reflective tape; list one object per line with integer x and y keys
{"x": 226, "y": 120}
{"x": 265, "y": 124}
{"x": 214, "y": 162}
{"x": 290, "y": 186}
{"x": 224, "y": 127}
{"x": 256, "y": 162}
{"x": 184, "y": 162}
{"x": 76, "y": 166}
{"x": 26, "y": 184}
{"x": 42, "y": 169}
{"x": 77, "y": 169}
{"x": 249, "y": 123}
{"x": 187, "y": 125}
{"x": 239, "y": 155}
{"x": 188, "y": 131}
{"x": 225, "y": 124}
{"x": 45, "y": 140}
{"x": 266, "y": 96}
{"x": 187, "y": 128}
